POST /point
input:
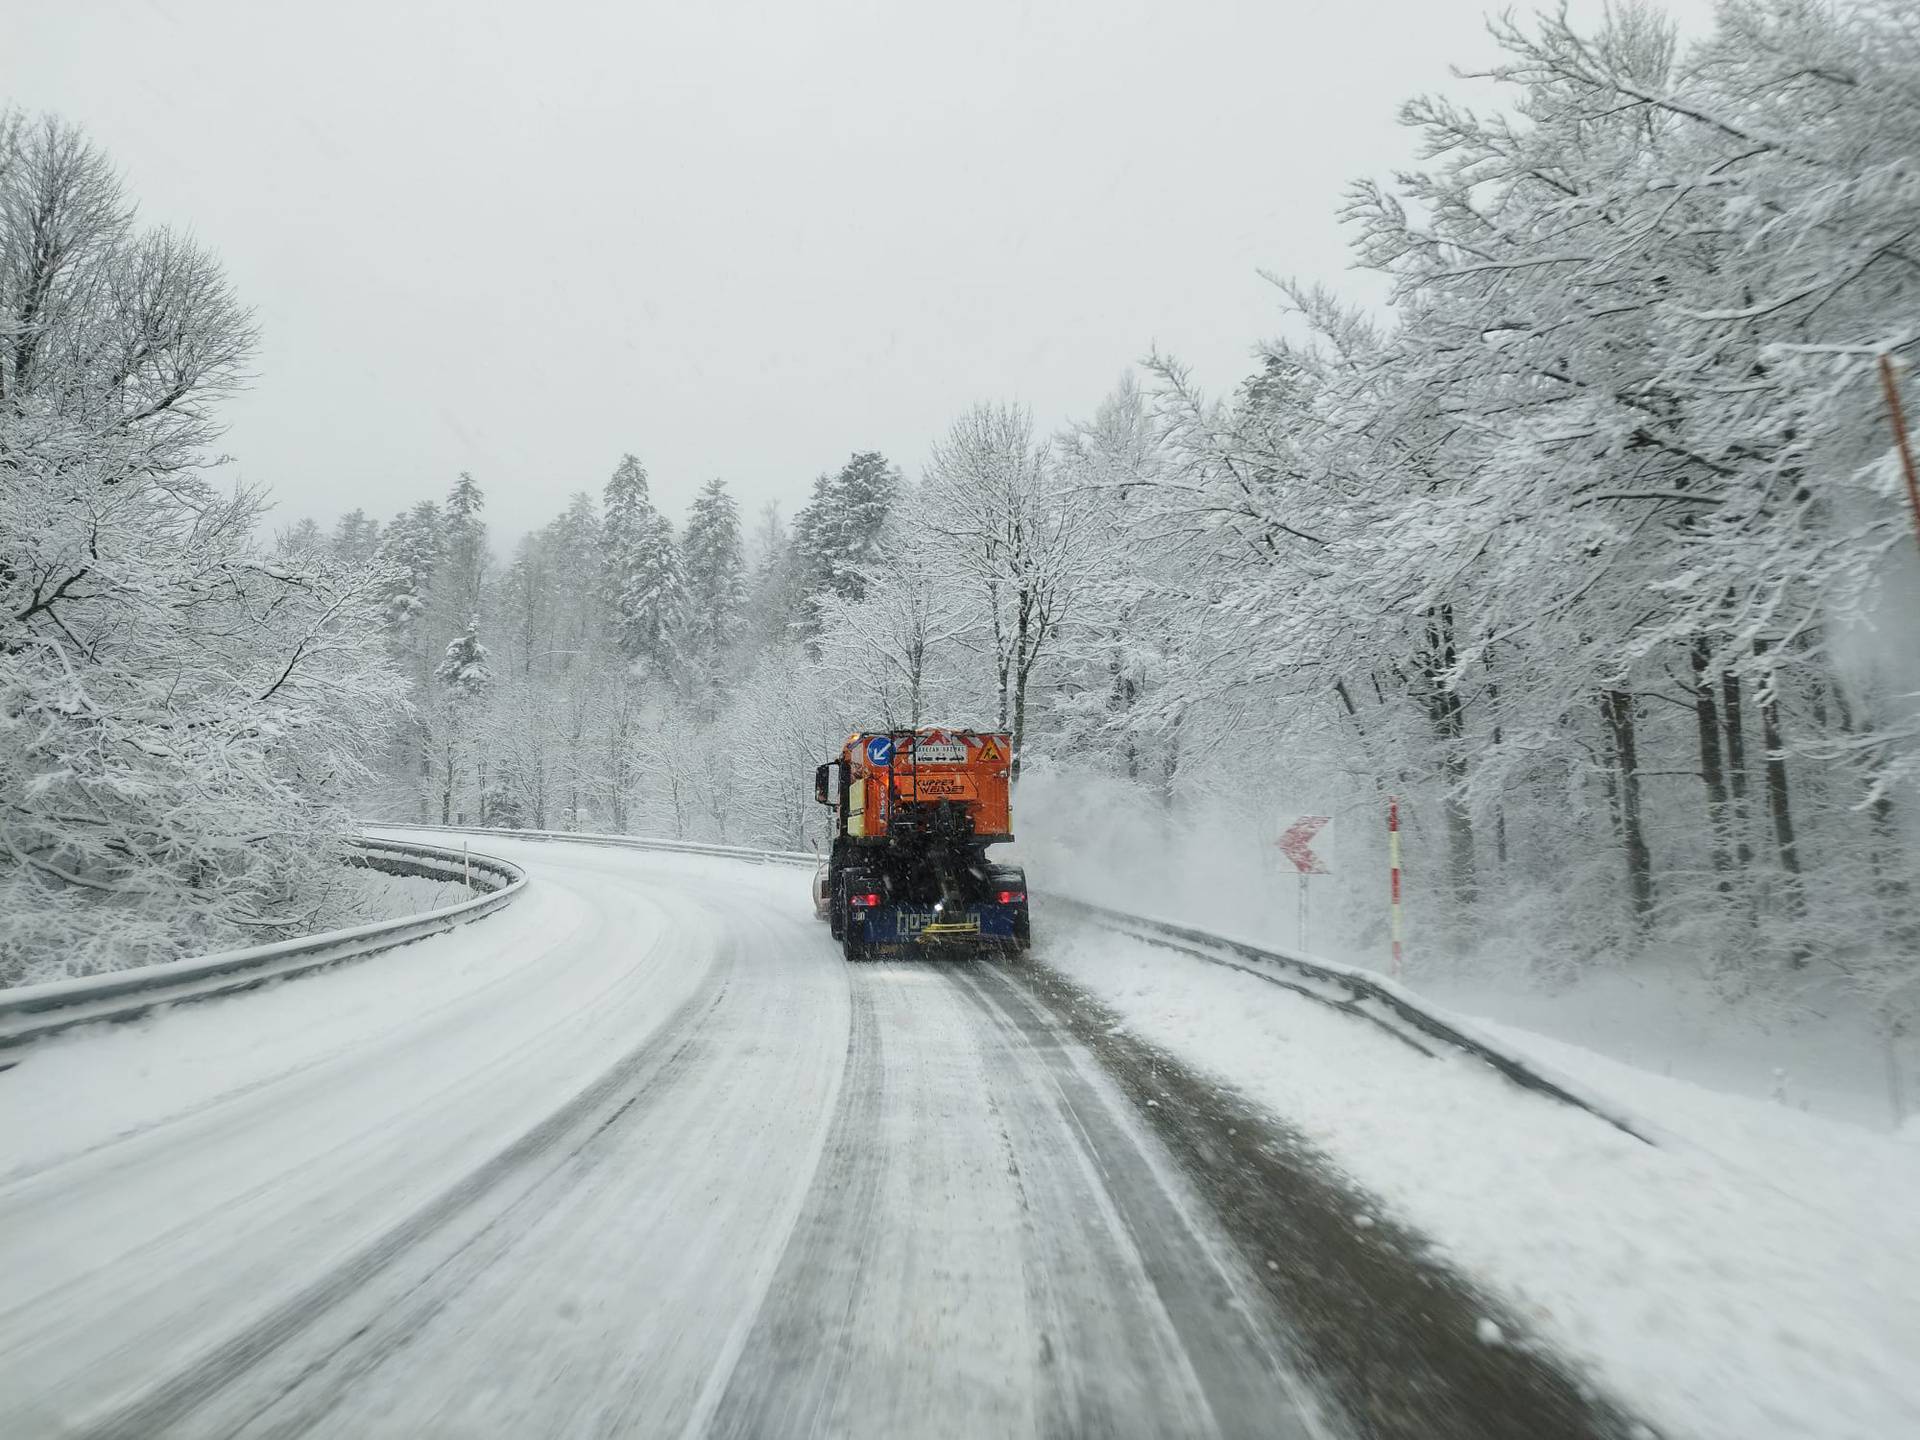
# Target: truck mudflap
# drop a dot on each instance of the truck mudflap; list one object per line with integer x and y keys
{"x": 921, "y": 928}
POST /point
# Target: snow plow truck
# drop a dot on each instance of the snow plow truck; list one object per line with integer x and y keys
{"x": 913, "y": 814}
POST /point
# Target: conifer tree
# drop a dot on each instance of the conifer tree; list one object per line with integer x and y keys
{"x": 837, "y": 536}
{"x": 716, "y": 580}
{"x": 641, "y": 574}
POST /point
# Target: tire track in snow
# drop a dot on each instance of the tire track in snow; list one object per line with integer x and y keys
{"x": 969, "y": 1260}
{"x": 1216, "y": 1326}
{"x": 1385, "y": 1331}
{"x": 639, "y": 1076}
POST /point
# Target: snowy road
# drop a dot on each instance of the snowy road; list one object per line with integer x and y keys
{"x": 641, "y": 1155}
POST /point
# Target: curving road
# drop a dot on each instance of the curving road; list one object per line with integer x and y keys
{"x": 639, "y": 1156}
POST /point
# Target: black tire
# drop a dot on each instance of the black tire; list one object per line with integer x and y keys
{"x": 853, "y": 929}
{"x": 837, "y": 909}
{"x": 853, "y": 948}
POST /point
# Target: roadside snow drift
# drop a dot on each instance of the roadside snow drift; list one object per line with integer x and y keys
{"x": 1756, "y": 1277}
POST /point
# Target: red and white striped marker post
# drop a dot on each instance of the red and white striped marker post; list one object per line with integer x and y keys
{"x": 1393, "y": 859}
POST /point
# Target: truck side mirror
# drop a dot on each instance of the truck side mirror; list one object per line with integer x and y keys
{"x": 820, "y": 784}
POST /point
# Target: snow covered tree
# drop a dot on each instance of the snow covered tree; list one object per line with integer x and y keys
{"x": 356, "y": 537}
{"x": 301, "y": 537}
{"x": 773, "y": 586}
{"x": 182, "y": 714}
{"x": 836, "y": 535}
{"x": 1016, "y": 542}
{"x": 644, "y": 586}
{"x": 716, "y": 583}
{"x": 464, "y": 676}
{"x": 464, "y": 548}
{"x": 895, "y": 649}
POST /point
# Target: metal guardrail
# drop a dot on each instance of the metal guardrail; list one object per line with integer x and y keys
{"x": 748, "y": 853}
{"x": 30, "y": 1012}
{"x": 1357, "y": 993}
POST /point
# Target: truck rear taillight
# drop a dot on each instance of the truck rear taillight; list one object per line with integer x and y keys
{"x": 866, "y": 902}
{"x": 1008, "y": 897}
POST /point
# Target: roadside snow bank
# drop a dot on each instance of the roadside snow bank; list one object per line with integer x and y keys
{"x": 1758, "y": 1277}
{"x": 1110, "y": 842}
{"x": 370, "y": 895}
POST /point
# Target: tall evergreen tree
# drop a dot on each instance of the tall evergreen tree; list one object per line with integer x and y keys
{"x": 641, "y": 573}
{"x": 716, "y": 578}
{"x": 465, "y": 551}
{"x": 356, "y": 537}
{"x": 836, "y": 537}
{"x": 464, "y": 676}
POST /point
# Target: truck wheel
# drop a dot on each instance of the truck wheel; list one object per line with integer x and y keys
{"x": 837, "y": 911}
{"x": 854, "y": 948}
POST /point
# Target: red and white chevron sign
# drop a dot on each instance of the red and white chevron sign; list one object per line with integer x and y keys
{"x": 1297, "y": 844}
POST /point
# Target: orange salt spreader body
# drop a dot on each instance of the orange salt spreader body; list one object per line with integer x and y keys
{"x": 913, "y": 814}
{"x": 892, "y": 777}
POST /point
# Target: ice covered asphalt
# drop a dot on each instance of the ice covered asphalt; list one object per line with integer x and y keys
{"x": 641, "y": 1155}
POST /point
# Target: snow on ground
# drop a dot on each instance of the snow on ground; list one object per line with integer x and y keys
{"x": 101, "y": 1083}
{"x": 1817, "y": 1047}
{"x": 371, "y": 895}
{"x": 1757, "y": 1276}
{"x": 1827, "y": 1059}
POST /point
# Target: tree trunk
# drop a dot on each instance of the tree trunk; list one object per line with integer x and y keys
{"x": 1170, "y": 765}
{"x": 446, "y": 787}
{"x": 1706, "y": 716}
{"x": 1617, "y": 707}
{"x": 1499, "y": 808}
{"x": 1121, "y": 693}
{"x": 1886, "y": 847}
{"x": 425, "y": 790}
{"x": 1449, "y": 725}
{"x": 1023, "y": 660}
{"x": 1736, "y": 765}
{"x": 1000, "y": 656}
{"x": 1779, "y": 803}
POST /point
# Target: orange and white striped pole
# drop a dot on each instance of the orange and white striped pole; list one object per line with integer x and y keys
{"x": 1393, "y": 859}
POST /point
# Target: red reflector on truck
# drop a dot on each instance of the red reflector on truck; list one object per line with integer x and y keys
{"x": 866, "y": 902}
{"x": 1007, "y": 897}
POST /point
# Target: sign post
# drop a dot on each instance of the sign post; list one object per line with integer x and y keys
{"x": 1296, "y": 843}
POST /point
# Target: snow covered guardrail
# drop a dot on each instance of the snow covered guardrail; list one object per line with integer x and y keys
{"x": 625, "y": 842}
{"x": 1353, "y": 991}
{"x": 28, "y": 1012}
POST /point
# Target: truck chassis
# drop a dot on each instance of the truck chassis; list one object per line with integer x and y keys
{"x": 908, "y": 871}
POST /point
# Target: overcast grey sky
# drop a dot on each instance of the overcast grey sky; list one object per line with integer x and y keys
{"x": 736, "y": 239}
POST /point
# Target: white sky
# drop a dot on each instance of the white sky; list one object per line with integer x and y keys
{"x": 736, "y": 239}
